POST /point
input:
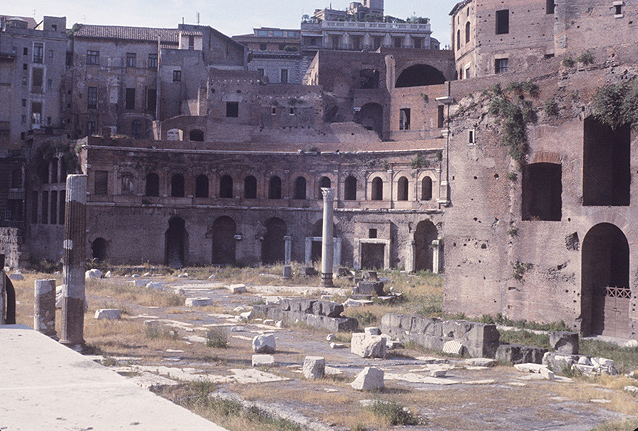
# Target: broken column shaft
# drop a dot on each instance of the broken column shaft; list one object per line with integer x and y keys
{"x": 44, "y": 307}
{"x": 73, "y": 290}
{"x": 327, "y": 248}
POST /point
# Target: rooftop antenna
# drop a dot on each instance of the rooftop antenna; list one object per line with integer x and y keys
{"x": 182, "y": 20}
{"x": 198, "y": 19}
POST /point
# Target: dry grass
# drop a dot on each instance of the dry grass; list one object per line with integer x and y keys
{"x": 621, "y": 401}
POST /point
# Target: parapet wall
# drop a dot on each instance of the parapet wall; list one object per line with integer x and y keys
{"x": 480, "y": 340}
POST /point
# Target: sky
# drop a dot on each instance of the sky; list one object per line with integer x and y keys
{"x": 231, "y": 17}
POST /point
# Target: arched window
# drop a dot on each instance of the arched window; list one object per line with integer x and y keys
{"x": 196, "y": 135}
{"x": 402, "y": 186}
{"x": 458, "y": 39}
{"x": 467, "y": 32}
{"x": 99, "y": 249}
{"x": 324, "y": 182}
{"x": 426, "y": 189}
{"x": 250, "y": 187}
{"x": 226, "y": 187}
{"x": 274, "y": 188}
{"x": 152, "y": 184}
{"x": 300, "y": 188}
{"x": 377, "y": 189}
{"x": 350, "y": 192}
{"x": 201, "y": 186}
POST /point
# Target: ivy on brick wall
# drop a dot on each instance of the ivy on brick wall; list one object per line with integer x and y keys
{"x": 48, "y": 151}
{"x": 513, "y": 113}
{"x": 617, "y": 104}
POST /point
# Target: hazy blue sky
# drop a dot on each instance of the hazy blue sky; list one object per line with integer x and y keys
{"x": 231, "y": 17}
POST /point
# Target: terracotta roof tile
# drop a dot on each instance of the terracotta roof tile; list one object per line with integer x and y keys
{"x": 167, "y": 35}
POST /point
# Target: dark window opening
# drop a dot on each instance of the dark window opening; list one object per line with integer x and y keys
{"x": 177, "y": 186}
{"x": 284, "y": 76}
{"x": 369, "y": 79}
{"x": 38, "y": 52}
{"x": 404, "y": 119}
{"x": 324, "y": 182}
{"x": 549, "y": 6}
{"x": 274, "y": 188}
{"x": 177, "y": 76}
{"x": 152, "y": 184}
{"x": 136, "y": 129}
{"x": 467, "y": 32}
{"x": 151, "y": 100}
{"x": 62, "y": 206}
{"x": 196, "y": 135}
{"x": 350, "y": 189}
{"x": 426, "y": 189}
{"x": 300, "y": 188}
{"x": 93, "y": 57}
{"x": 130, "y": 98}
{"x": 542, "y": 190}
{"x": 176, "y": 243}
{"x": 273, "y": 244}
{"x": 45, "y": 208}
{"x": 377, "y": 189}
{"x": 606, "y": 168}
{"x": 99, "y": 249}
{"x": 201, "y": 186}
{"x": 224, "y": 242}
{"x": 402, "y": 189}
{"x": 618, "y": 9}
{"x": 440, "y": 118}
{"x": 226, "y": 187}
{"x": 131, "y": 59}
{"x": 420, "y": 75}
{"x": 16, "y": 178}
{"x": 91, "y": 98}
{"x": 458, "y": 39}
{"x": 54, "y": 207}
{"x": 128, "y": 186}
{"x": 250, "y": 187}
{"x": 101, "y": 182}
{"x": 372, "y": 233}
{"x": 152, "y": 61}
{"x": 502, "y": 21}
{"x": 54, "y": 170}
{"x": 232, "y": 109}
{"x": 191, "y": 42}
{"x": 501, "y": 65}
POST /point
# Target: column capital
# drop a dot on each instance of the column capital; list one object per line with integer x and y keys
{"x": 328, "y": 194}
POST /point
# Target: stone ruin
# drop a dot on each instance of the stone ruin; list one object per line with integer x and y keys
{"x": 320, "y": 314}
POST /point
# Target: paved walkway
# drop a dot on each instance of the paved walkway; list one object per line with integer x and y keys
{"x": 47, "y": 386}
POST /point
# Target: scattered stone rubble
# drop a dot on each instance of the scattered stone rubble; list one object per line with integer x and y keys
{"x": 370, "y": 379}
{"x": 314, "y": 367}
{"x": 580, "y": 363}
{"x": 321, "y": 314}
{"x": 264, "y": 343}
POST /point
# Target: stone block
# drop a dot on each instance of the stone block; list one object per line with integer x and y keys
{"x": 370, "y": 276}
{"x": 481, "y": 362}
{"x": 357, "y": 302}
{"x": 368, "y": 346}
{"x": 140, "y": 282}
{"x": 156, "y": 285}
{"x": 453, "y": 348}
{"x": 438, "y": 373}
{"x": 370, "y": 288}
{"x": 310, "y": 271}
{"x": 327, "y": 308}
{"x": 287, "y": 272}
{"x": 247, "y": 315}
{"x": 314, "y": 367}
{"x": 263, "y": 361}
{"x": 564, "y": 342}
{"x": 108, "y": 314}
{"x": 198, "y": 302}
{"x": 264, "y": 344}
{"x": 482, "y": 341}
{"x": 93, "y": 274}
{"x": 284, "y": 304}
{"x": 337, "y": 346}
{"x": 373, "y": 330}
{"x": 237, "y": 289}
{"x": 517, "y": 354}
{"x": 16, "y": 276}
{"x": 370, "y": 379}
{"x": 331, "y": 337}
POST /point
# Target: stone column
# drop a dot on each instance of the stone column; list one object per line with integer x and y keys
{"x": 327, "y": 250}
{"x": 287, "y": 249}
{"x": 44, "y": 307}
{"x": 436, "y": 256}
{"x": 73, "y": 290}
{"x": 308, "y": 255}
{"x": 410, "y": 261}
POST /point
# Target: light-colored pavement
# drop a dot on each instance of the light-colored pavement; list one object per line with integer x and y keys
{"x": 47, "y": 386}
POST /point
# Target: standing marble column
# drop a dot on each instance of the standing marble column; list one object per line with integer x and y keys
{"x": 73, "y": 290}
{"x": 44, "y": 307}
{"x": 327, "y": 247}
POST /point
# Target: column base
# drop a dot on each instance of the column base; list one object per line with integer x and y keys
{"x": 326, "y": 279}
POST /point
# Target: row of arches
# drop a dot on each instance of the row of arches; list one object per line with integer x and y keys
{"x": 273, "y": 244}
{"x": 275, "y": 189}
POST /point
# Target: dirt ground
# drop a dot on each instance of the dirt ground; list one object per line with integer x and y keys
{"x": 160, "y": 343}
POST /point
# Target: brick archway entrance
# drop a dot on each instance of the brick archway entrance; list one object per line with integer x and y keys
{"x": 606, "y": 293}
